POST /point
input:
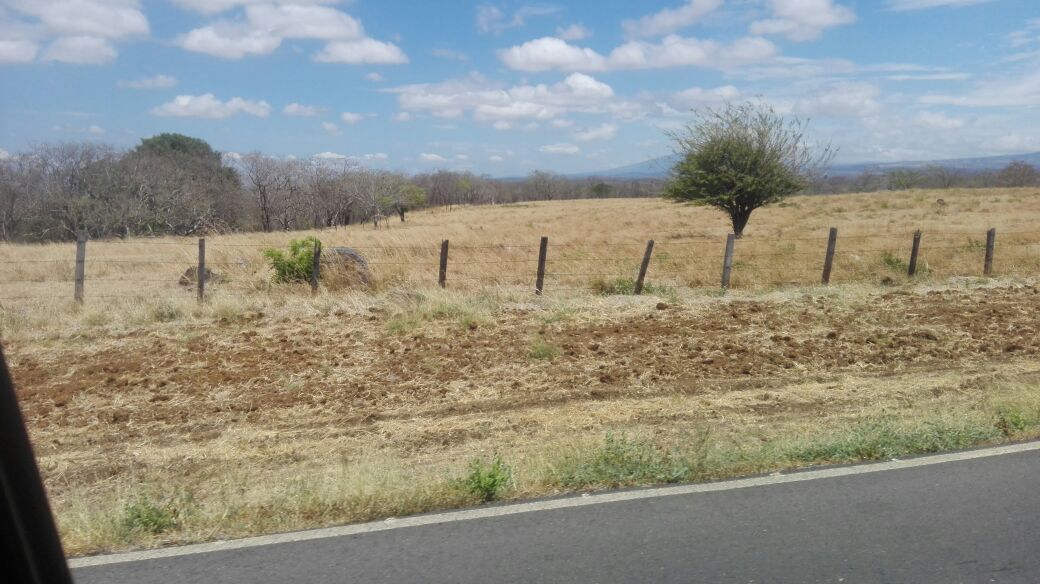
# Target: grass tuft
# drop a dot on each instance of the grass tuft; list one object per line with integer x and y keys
{"x": 487, "y": 480}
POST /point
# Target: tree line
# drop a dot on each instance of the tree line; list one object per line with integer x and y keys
{"x": 172, "y": 184}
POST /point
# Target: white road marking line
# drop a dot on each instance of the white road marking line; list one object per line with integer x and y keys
{"x": 563, "y": 503}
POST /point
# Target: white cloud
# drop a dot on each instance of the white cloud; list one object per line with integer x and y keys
{"x": 330, "y": 128}
{"x": 1012, "y": 91}
{"x": 261, "y": 28}
{"x": 496, "y": 158}
{"x": 378, "y": 156}
{"x": 77, "y": 31}
{"x": 670, "y": 19}
{"x": 296, "y": 109}
{"x": 374, "y": 76}
{"x": 929, "y": 77}
{"x": 938, "y": 121}
{"x": 208, "y": 106}
{"x": 561, "y": 123}
{"x": 360, "y": 52}
{"x": 802, "y": 20}
{"x": 696, "y": 96}
{"x": 154, "y": 82}
{"x": 402, "y": 116}
{"x": 574, "y": 32}
{"x": 841, "y": 100}
{"x": 1011, "y": 143}
{"x": 330, "y": 156}
{"x": 95, "y": 130}
{"x": 562, "y": 148}
{"x": 351, "y": 117}
{"x": 672, "y": 51}
{"x": 491, "y": 103}
{"x": 461, "y": 157}
{"x": 229, "y": 41}
{"x": 4, "y": 154}
{"x": 491, "y": 20}
{"x": 600, "y": 132}
{"x": 427, "y": 157}
{"x": 923, "y": 4}
{"x": 80, "y": 50}
{"x": 18, "y": 51}
{"x": 303, "y": 21}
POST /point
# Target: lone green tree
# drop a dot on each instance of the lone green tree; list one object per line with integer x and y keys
{"x": 742, "y": 157}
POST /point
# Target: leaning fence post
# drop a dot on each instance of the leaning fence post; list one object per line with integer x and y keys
{"x": 442, "y": 277}
{"x": 727, "y": 261}
{"x": 81, "y": 264}
{"x": 543, "y": 248}
{"x": 828, "y": 260}
{"x": 912, "y": 269}
{"x": 316, "y": 268}
{"x": 200, "y": 275}
{"x": 991, "y": 241}
{"x": 643, "y": 266}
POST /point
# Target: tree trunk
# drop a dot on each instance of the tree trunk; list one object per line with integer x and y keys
{"x": 400, "y": 211}
{"x": 740, "y": 219}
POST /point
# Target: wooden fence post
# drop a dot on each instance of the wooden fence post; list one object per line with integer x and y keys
{"x": 828, "y": 260}
{"x": 316, "y": 268}
{"x": 912, "y": 268}
{"x": 727, "y": 261}
{"x": 81, "y": 265}
{"x": 991, "y": 241}
{"x": 643, "y": 266}
{"x": 543, "y": 249}
{"x": 442, "y": 277}
{"x": 200, "y": 275}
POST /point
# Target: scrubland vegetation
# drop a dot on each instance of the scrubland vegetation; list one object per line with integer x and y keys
{"x": 160, "y": 420}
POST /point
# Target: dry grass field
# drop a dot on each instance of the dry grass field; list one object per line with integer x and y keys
{"x": 158, "y": 420}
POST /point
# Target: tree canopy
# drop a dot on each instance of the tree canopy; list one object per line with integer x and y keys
{"x": 742, "y": 157}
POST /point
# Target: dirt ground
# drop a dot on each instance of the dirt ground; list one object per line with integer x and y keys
{"x": 278, "y": 393}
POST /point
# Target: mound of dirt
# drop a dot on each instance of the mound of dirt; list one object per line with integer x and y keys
{"x": 345, "y": 266}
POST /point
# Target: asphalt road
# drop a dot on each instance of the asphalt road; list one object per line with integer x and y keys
{"x": 964, "y": 521}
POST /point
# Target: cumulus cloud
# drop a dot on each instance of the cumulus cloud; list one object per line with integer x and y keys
{"x": 80, "y": 50}
{"x": 600, "y": 132}
{"x": 402, "y": 116}
{"x": 496, "y": 158}
{"x": 802, "y": 20}
{"x": 574, "y": 32}
{"x": 428, "y": 157}
{"x": 491, "y": 103}
{"x": 296, "y": 109}
{"x": 4, "y": 154}
{"x": 670, "y": 19}
{"x": 18, "y": 51}
{"x": 95, "y": 130}
{"x": 364, "y": 51}
{"x": 351, "y": 117}
{"x": 562, "y": 148}
{"x": 208, "y": 106}
{"x": 75, "y": 31}
{"x": 1011, "y": 91}
{"x": 549, "y": 53}
{"x": 330, "y": 156}
{"x": 154, "y": 82}
{"x": 330, "y": 128}
{"x": 261, "y": 28}
{"x": 374, "y": 76}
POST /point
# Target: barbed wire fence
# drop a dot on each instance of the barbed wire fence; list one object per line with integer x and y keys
{"x": 159, "y": 269}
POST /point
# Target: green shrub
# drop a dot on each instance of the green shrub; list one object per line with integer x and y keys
{"x": 144, "y": 516}
{"x": 893, "y": 261}
{"x": 622, "y": 461}
{"x": 486, "y": 480}
{"x": 297, "y": 264}
{"x": 542, "y": 349}
{"x": 625, "y": 286}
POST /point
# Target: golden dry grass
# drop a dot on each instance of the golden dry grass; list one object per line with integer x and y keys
{"x": 271, "y": 410}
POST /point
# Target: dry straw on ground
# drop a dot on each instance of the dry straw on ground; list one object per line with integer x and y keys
{"x": 157, "y": 420}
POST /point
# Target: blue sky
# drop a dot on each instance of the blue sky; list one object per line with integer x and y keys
{"x": 504, "y": 88}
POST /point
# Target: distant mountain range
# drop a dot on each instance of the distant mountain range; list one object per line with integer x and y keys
{"x": 659, "y": 167}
